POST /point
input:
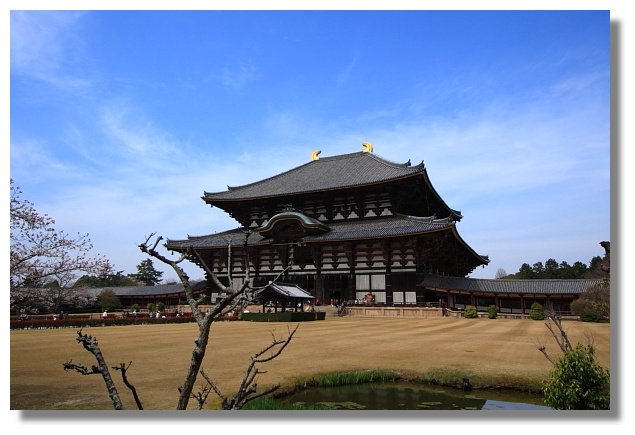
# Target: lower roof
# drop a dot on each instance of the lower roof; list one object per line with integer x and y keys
{"x": 507, "y": 286}
{"x": 392, "y": 226}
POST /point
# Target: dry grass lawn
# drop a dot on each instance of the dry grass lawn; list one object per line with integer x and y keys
{"x": 500, "y": 350}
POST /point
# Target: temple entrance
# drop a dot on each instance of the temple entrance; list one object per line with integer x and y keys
{"x": 336, "y": 287}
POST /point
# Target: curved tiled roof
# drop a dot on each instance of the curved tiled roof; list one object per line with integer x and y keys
{"x": 394, "y": 226}
{"x": 308, "y": 223}
{"x": 148, "y": 290}
{"x": 327, "y": 173}
{"x": 515, "y": 286}
{"x": 284, "y": 290}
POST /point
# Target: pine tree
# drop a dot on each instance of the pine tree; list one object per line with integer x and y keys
{"x": 147, "y": 274}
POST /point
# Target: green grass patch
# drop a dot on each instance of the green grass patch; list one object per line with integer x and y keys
{"x": 353, "y": 378}
{"x": 267, "y": 403}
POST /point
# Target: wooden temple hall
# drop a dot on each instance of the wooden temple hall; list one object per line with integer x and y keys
{"x": 347, "y": 225}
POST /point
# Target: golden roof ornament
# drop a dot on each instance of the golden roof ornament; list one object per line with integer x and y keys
{"x": 368, "y": 147}
{"x": 315, "y": 154}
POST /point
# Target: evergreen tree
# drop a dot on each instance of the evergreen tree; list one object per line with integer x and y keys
{"x": 525, "y": 272}
{"x": 147, "y": 274}
{"x": 110, "y": 280}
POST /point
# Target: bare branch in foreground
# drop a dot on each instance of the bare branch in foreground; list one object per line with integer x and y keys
{"x": 123, "y": 368}
{"x": 554, "y": 325}
{"x": 90, "y": 344}
{"x": 248, "y": 388}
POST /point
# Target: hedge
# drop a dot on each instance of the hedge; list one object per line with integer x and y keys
{"x": 283, "y": 316}
{"x": 80, "y": 323}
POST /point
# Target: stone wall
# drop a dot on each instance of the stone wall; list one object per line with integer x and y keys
{"x": 400, "y": 312}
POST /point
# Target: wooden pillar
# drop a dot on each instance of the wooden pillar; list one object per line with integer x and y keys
{"x": 350, "y": 255}
{"x": 522, "y": 305}
{"x": 317, "y": 261}
{"x": 387, "y": 254}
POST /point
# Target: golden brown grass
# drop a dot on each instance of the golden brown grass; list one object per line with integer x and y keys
{"x": 495, "y": 351}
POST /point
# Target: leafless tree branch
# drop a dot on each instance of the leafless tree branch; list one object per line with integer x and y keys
{"x": 123, "y": 368}
{"x": 248, "y": 388}
{"x": 91, "y": 345}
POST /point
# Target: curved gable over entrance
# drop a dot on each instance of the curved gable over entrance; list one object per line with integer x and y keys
{"x": 291, "y": 225}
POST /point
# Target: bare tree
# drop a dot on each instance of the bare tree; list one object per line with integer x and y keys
{"x": 235, "y": 299}
{"x": 606, "y": 261}
{"x": 554, "y": 325}
{"x": 203, "y": 320}
{"x": 41, "y": 254}
{"x": 500, "y": 273}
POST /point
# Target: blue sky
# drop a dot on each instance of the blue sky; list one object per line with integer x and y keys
{"x": 120, "y": 120}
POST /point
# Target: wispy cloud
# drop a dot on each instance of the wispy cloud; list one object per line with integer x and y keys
{"x": 345, "y": 75}
{"x": 31, "y": 158}
{"x": 42, "y": 44}
{"x": 237, "y": 78}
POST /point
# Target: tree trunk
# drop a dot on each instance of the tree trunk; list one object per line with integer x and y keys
{"x": 198, "y": 354}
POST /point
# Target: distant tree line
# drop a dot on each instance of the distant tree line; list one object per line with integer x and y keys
{"x": 146, "y": 275}
{"x": 551, "y": 269}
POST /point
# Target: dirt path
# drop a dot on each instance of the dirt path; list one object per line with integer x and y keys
{"x": 500, "y": 348}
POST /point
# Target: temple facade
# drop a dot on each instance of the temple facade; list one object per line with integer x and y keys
{"x": 340, "y": 227}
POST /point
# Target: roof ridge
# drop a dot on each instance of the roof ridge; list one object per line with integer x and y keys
{"x": 394, "y": 164}
{"x": 205, "y": 193}
{"x": 357, "y": 154}
{"x": 336, "y": 157}
{"x": 518, "y": 280}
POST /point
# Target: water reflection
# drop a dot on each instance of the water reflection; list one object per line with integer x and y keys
{"x": 396, "y": 396}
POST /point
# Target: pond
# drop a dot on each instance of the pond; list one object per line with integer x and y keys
{"x": 404, "y": 396}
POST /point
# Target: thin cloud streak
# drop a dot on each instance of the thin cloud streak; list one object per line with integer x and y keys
{"x": 39, "y": 46}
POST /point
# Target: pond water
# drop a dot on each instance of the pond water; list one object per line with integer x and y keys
{"x": 402, "y": 396}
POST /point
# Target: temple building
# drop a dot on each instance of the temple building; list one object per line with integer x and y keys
{"x": 340, "y": 227}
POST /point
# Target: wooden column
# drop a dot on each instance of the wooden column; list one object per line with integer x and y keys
{"x": 522, "y": 305}
{"x": 387, "y": 254}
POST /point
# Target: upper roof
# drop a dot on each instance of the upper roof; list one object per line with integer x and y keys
{"x": 327, "y": 173}
{"x": 514, "y": 286}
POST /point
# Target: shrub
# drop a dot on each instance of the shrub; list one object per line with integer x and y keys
{"x": 536, "y": 312}
{"x": 593, "y": 305}
{"x": 578, "y": 381}
{"x": 81, "y": 322}
{"x": 108, "y": 300}
{"x": 283, "y": 316}
{"x": 134, "y": 307}
{"x": 160, "y": 307}
{"x": 470, "y": 312}
{"x": 151, "y": 307}
{"x": 492, "y": 312}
